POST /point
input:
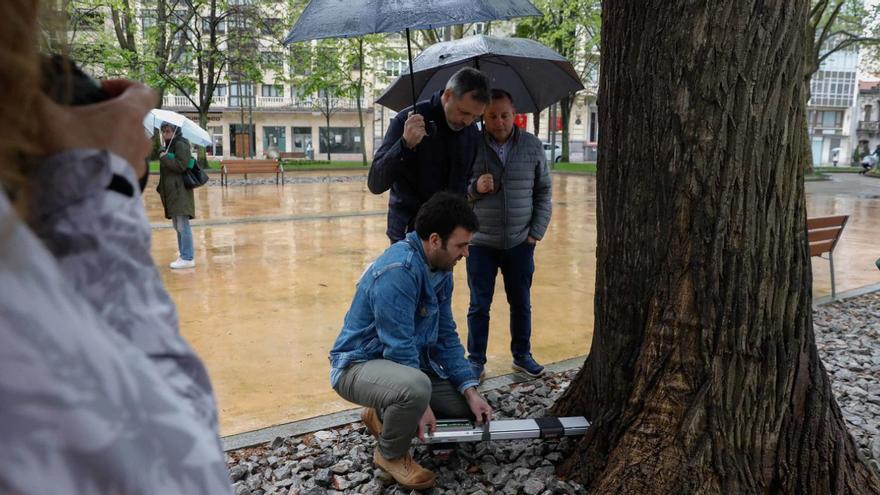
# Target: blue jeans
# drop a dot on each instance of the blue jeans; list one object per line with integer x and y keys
{"x": 184, "y": 236}
{"x": 517, "y": 266}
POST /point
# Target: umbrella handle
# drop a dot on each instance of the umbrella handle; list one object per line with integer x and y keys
{"x": 412, "y": 82}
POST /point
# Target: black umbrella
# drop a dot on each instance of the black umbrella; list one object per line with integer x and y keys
{"x": 534, "y": 75}
{"x": 348, "y": 18}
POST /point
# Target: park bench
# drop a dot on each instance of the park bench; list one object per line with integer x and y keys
{"x": 292, "y": 155}
{"x": 822, "y": 235}
{"x": 251, "y": 167}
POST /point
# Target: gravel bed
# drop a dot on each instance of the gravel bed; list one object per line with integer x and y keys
{"x": 339, "y": 461}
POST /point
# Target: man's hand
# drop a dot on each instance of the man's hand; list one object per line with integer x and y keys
{"x": 531, "y": 240}
{"x": 427, "y": 424}
{"x": 485, "y": 184}
{"x": 481, "y": 409}
{"x": 414, "y": 130}
{"x": 115, "y": 125}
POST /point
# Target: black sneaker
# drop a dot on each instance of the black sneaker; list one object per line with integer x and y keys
{"x": 526, "y": 364}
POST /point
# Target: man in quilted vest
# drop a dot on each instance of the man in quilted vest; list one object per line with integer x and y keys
{"x": 510, "y": 191}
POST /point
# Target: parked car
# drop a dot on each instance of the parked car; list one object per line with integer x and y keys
{"x": 548, "y": 148}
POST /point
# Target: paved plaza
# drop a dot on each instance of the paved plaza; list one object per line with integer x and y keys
{"x": 277, "y": 267}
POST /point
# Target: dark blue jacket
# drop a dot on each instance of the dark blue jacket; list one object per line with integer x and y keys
{"x": 442, "y": 161}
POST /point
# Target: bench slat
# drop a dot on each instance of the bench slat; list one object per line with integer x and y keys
{"x": 823, "y": 234}
{"x": 825, "y": 222}
{"x": 821, "y": 247}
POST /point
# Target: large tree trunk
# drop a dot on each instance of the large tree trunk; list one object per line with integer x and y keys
{"x": 703, "y": 375}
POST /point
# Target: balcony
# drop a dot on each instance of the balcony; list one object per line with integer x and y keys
{"x": 175, "y": 101}
{"x": 272, "y": 102}
{"x": 276, "y": 103}
{"x": 869, "y": 126}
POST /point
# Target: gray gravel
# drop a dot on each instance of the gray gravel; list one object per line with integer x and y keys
{"x": 339, "y": 461}
{"x": 848, "y": 338}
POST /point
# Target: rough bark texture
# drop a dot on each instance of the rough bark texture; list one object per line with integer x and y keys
{"x": 703, "y": 375}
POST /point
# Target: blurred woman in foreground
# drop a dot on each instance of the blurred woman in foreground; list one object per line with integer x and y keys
{"x": 99, "y": 392}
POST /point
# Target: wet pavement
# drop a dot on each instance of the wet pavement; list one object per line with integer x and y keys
{"x": 276, "y": 268}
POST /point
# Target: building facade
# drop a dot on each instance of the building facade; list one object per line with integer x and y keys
{"x": 830, "y": 121}
{"x": 868, "y": 111}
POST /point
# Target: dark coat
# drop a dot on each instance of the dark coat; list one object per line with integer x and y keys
{"x": 441, "y": 162}
{"x": 177, "y": 199}
{"x": 520, "y": 207}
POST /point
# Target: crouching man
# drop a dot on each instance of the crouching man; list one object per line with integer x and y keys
{"x": 398, "y": 353}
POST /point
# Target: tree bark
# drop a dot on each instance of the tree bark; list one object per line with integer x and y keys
{"x": 703, "y": 375}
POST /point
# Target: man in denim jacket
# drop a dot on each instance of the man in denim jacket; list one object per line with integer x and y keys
{"x": 398, "y": 353}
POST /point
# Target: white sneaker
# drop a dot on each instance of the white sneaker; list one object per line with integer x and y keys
{"x": 182, "y": 263}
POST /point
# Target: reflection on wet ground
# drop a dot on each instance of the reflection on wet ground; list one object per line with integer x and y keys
{"x": 276, "y": 268}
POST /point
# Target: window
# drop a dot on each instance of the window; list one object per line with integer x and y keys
{"x": 271, "y": 59}
{"x": 393, "y": 68}
{"x": 300, "y": 63}
{"x": 302, "y": 138}
{"x": 480, "y": 28}
{"x": 220, "y": 90}
{"x": 594, "y": 127}
{"x": 273, "y": 139}
{"x": 341, "y": 140}
{"x": 220, "y": 26}
{"x": 275, "y": 90}
{"x": 216, "y": 147}
{"x": 868, "y": 109}
{"x": 148, "y": 18}
{"x": 269, "y": 27}
{"x": 832, "y": 119}
{"x": 239, "y": 22}
{"x": 179, "y": 18}
{"x": 241, "y": 95}
{"x": 832, "y": 88}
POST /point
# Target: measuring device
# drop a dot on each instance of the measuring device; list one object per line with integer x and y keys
{"x": 462, "y": 430}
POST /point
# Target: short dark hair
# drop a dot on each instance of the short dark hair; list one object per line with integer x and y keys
{"x": 500, "y": 93}
{"x": 469, "y": 79}
{"x": 442, "y": 214}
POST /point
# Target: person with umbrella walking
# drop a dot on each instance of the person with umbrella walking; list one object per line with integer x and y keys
{"x": 430, "y": 150}
{"x": 510, "y": 191}
{"x": 177, "y": 200}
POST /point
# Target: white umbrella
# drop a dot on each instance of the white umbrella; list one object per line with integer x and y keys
{"x": 188, "y": 129}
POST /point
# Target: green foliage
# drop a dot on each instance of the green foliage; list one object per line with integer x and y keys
{"x": 572, "y": 28}
{"x": 583, "y": 168}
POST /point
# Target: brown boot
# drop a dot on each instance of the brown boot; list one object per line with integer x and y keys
{"x": 371, "y": 420}
{"x": 405, "y": 471}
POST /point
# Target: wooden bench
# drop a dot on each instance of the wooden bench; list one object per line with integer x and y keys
{"x": 822, "y": 235}
{"x": 292, "y": 155}
{"x": 251, "y": 167}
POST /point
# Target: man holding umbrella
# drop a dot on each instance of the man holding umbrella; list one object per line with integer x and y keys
{"x": 511, "y": 196}
{"x": 430, "y": 150}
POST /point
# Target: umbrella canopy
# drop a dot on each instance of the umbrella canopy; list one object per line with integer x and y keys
{"x": 534, "y": 75}
{"x": 188, "y": 129}
{"x": 347, "y": 18}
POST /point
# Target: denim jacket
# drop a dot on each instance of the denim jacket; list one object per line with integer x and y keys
{"x": 399, "y": 315}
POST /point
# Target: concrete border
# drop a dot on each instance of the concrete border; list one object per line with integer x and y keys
{"x": 860, "y": 291}
{"x": 333, "y": 420}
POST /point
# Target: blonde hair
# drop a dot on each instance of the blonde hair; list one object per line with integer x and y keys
{"x": 20, "y": 80}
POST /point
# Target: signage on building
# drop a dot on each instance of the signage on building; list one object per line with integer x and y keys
{"x": 212, "y": 117}
{"x": 521, "y": 120}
